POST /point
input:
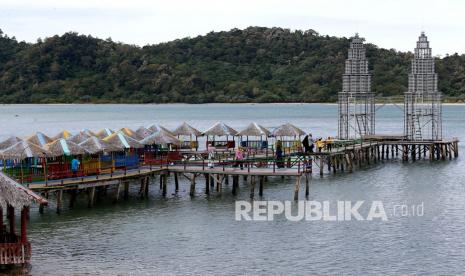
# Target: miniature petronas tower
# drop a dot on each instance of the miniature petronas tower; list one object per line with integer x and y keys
{"x": 422, "y": 105}
{"x": 356, "y": 101}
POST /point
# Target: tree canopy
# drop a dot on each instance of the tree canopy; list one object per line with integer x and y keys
{"x": 256, "y": 64}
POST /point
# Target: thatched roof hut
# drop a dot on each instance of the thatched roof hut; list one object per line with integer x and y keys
{"x": 62, "y": 135}
{"x": 9, "y": 142}
{"x": 122, "y": 141}
{"x": 62, "y": 147}
{"x": 22, "y": 150}
{"x": 13, "y": 194}
{"x": 39, "y": 139}
{"x": 160, "y": 138}
{"x": 105, "y": 132}
{"x": 220, "y": 129}
{"x": 288, "y": 130}
{"x": 254, "y": 129}
{"x": 143, "y": 132}
{"x": 156, "y": 128}
{"x": 79, "y": 137}
{"x": 187, "y": 130}
{"x": 96, "y": 145}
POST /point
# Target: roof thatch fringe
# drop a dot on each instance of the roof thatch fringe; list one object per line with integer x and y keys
{"x": 12, "y": 194}
{"x": 39, "y": 139}
{"x": 220, "y": 129}
{"x": 9, "y": 142}
{"x": 187, "y": 130}
{"x": 62, "y": 147}
{"x": 122, "y": 141}
{"x": 254, "y": 129}
{"x": 160, "y": 138}
{"x": 96, "y": 145}
{"x": 288, "y": 130}
{"x": 22, "y": 150}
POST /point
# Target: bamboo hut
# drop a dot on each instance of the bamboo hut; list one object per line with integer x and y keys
{"x": 10, "y": 141}
{"x": 99, "y": 159}
{"x": 62, "y": 152}
{"x": 129, "y": 150}
{"x": 143, "y": 132}
{"x": 220, "y": 135}
{"x": 62, "y": 135}
{"x": 15, "y": 249}
{"x": 103, "y": 133}
{"x": 188, "y": 136}
{"x": 25, "y": 161}
{"x": 39, "y": 139}
{"x": 159, "y": 148}
{"x": 254, "y": 137}
{"x": 289, "y": 136}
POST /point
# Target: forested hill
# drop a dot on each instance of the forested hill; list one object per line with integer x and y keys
{"x": 252, "y": 65}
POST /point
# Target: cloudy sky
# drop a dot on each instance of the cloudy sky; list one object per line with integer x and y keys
{"x": 389, "y": 24}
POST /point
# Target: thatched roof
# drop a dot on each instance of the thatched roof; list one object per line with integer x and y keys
{"x": 122, "y": 141}
{"x": 80, "y": 137}
{"x": 12, "y": 194}
{"x": 62, "y": 147}
{"x": 187, "y": 130}
{"x": 143, "y": 132}
{"x": 9, "y": 142}
{"x": 104, "y": 133}
{"x": 39, "y": 139}
{"x": 288, "y": 130}
{"x": 62, "y": 135}
{"x": 22, "y": 150}
{"x": 95, "y": 145}
{"x": 130, "y": 133}
{"x": 160, "y": 138}
{"x": 156, "y": 128}
{"x": 220, "y": 129}
{"x": 254, "y": 129}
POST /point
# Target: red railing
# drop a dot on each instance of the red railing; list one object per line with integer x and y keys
{"x": 15, "y": 253}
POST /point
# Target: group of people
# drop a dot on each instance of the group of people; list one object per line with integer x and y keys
{"x": 309, "y": 144}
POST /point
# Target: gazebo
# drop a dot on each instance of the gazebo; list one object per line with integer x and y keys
{"x": 129, "y": 149}
{"x": 254, "y": 137}
{"x": 219, "y": 135}
{"x": 14, "y": 249}
{"x": 289, "y": 136}
{"x": 160, "y": 145}
{"x": 25, "y": 161}
{"x": 93, "y": 163}
{"x": 39, "y": 139}
{"x": 62, "y": 152}
{"x": 188, "y": 136}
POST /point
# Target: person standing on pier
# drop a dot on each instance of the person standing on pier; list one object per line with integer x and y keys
{"x": 320, "y": 144}
{"x": 306, "y": 144}
{"x": 279, "y": 154}
{"x": 75, "y": 166}
{"x": 239, "y": 158}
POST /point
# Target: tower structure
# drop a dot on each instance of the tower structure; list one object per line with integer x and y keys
{"x": 422, "y": 103}
{"x": 356, "y": 101}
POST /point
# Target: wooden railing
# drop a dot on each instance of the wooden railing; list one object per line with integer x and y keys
{"x": 15, "y": 253}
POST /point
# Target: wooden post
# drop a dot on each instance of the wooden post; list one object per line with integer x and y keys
{"x": 176, "y": 182}
{"x": 297, "y": 188}
{"x": 207, "y": 183}
{"x": 235, "y": 184}
{"x": 404, "y": 153}
{"x": 1, "y": 220}
{"x": 431, "y": 152}
{"x": 414, "y": 153}
{"x": 147, "y": 182}
{"x": 218, "y": 183}
{"x": 307, "y": 185}
{"x": 59, "y": 196}
{"x": 252, "y": 186}
{"x": 192, "y": 191}
{"x": 118, "y": 191}
{"x": 126, "y": 190}
{"x": 260, "y": 189}
{"x": 456, "y": 149}
{"x": 226, "y": 179}
{"x": 90, "y": 203}
{"x": 10, "y": 212}
{"x": 382, "y": 152}
{"x": 24, "y": 215}
{"x": 165, "y": 184}
{"x": 72, "y": 199}
{"x": 321, "y": 165}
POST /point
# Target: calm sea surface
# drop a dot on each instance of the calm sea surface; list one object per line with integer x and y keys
{"x": 180, "y": 235}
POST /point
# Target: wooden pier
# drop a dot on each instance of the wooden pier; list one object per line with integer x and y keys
{"x": 256, "y": 170}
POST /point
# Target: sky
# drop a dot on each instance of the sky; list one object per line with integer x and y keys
{"x": 393, "y": 24}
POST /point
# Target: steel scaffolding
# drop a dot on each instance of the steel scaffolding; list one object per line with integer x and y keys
{"x": 356, "y": 101}
{"x": 422, "y": 103}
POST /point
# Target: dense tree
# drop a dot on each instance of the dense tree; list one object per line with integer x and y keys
{"x": 252, "y": 65}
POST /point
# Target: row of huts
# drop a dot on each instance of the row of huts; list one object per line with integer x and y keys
{"x": 41, "y": 157}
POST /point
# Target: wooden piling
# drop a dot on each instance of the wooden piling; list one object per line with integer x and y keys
{"x": 91, "y": 199}
{"x": 176, "y": 182}
{"x": 207, "y": 183}
{"x": 307, "y": 185}
{"x": 252, "y": 186}
{"x": 235, "y": 184}
{"x": 59, "y": 196}
{"x": 260, "y": 189}
{"x": 126, "y": 190}
{"x": 297, "y": 188}
{"x": 192, "y": 190}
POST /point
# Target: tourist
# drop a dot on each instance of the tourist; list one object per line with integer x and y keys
{"x": 306, "y": 144}
{"x": 320, "y": 144}
{"x": 239, "y": 158}
{"x": 329, "y": 144}
{"x": 75, "y": 166}
{"x": 279, "y": 154}
{"x": 311, "y": 142}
